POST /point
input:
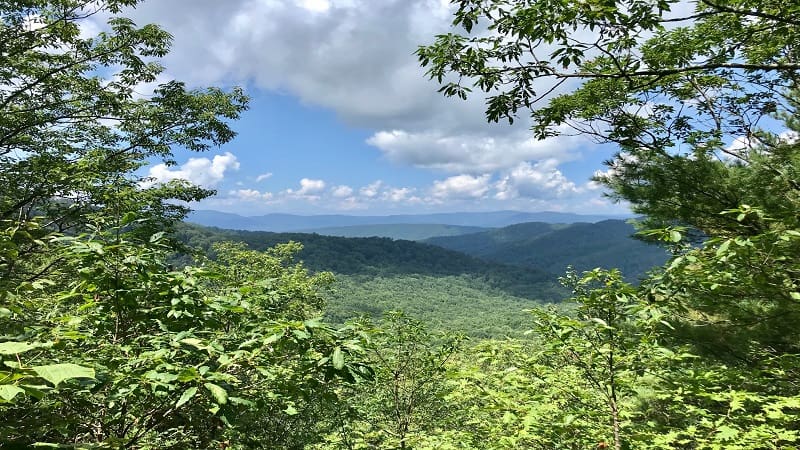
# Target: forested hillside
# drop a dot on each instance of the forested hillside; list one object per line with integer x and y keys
{"x": 549, "y": 247}
{"x": 448, "y": 290}
{"x": 409, "y": 232}
{"x": 380, "y": 256}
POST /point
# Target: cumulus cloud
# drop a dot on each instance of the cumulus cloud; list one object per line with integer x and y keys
{"x": 309, "y": 189}
{"x": 342, "y": 191}
{"x": 309, "y": 186}
{"x": 789, "y": 136}
{"x": 371, "y": 190}
{"x": 471, "y": 153}
{"x": 739, "y": 146}
{"x": 200, "y": 171}
{"x": 315, "y": 51}
{"x": 315, "y": 5}
{"x": 398, "y": 195}
{"x": 251, "y": 195}
{"x": 461, "y": 187}
{"x": 535, "y": 181}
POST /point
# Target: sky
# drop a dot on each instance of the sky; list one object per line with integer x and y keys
{"x": 342, "y": 118}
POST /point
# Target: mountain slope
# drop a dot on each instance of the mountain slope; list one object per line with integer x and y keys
{"x": 409, "y": 232}
{"x": 552, "y": 248}
{"x": 291, "y": 222}
{"x": 384, "y": 257}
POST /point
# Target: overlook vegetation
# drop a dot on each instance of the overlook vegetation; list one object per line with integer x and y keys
{"x": 104, "y": 343}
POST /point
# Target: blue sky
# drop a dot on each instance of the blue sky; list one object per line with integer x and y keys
{"x": 342, "y": 118}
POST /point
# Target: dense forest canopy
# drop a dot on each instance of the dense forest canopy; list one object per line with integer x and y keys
{"x": 104, "y": 344}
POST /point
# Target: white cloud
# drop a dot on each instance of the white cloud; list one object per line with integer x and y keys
{"x": 372, "y": 189}
{"x": 263, "y": 177}
{"x": 397, "y": 195}
{"x": 309, "y": 186}
{"x": 461, "y": 187}
{"x": 200, "y": 171}
{"x": 250, "y": 195}
{"x": 315, "y": 5}
{"x": 350, "y": 203}
{"x": 342, "y": 191}
{"x": 317, "y": 51}
{"x": 535, "y": 181}
{"x": 470, "y": 153}
{"x": 309, "y": 189}
{"x": 740, "y": 146}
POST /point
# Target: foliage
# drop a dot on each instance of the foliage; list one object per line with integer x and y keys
{"x": 104, "y": 344}
{"x": 668, "y": 86}
{"x": 671, "y": 89}
{"x": 457, "y": 304}
{"x": 403, "y": 402}
{"x": 179, "y": 356}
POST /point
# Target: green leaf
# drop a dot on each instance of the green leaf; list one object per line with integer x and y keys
{"x": 188, "y": 374}
{"x": 9, "y": 391}
{"x": 726, "y": 433}
{"x": 194, "y": 342}
{"x": 723, "y": 248}
{"x": 12, "y": 348}
{"x": 273, "y": 338}
{"x": 220, "y": 395}
{"x": 337, "y": 358}
{"x": 187, "y": 395}
{"x": 56, "y": 373}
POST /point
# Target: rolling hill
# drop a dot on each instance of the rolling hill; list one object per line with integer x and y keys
{"x": 552, "y": 248}
{"x": 385, "y": 257}
{"x": 478, "y": 283}
{"x": 409, "y": 232}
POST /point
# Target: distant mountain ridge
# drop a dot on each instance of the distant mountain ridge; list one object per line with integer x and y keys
{"x": 406, "y": 231}
{"x": 552, "y": 247}
{"x": 293, "y": 222}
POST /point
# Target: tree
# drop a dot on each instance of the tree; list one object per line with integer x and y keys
{"x": 669, "y": 87}
{"x": 671, "y": 90}
{"x": 73, "y": 128}
{"x": 403, "y": 401}
{"x": 104, "y": 344}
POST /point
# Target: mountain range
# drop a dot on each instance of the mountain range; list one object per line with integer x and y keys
{"x": 292, "y": 222}
{"x": 553, "y": 247}
{"x": 473, "y": 279}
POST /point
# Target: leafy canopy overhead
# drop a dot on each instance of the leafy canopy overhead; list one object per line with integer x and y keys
{"x": 102, "y": 343}
{"x": 671, "y": 83}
